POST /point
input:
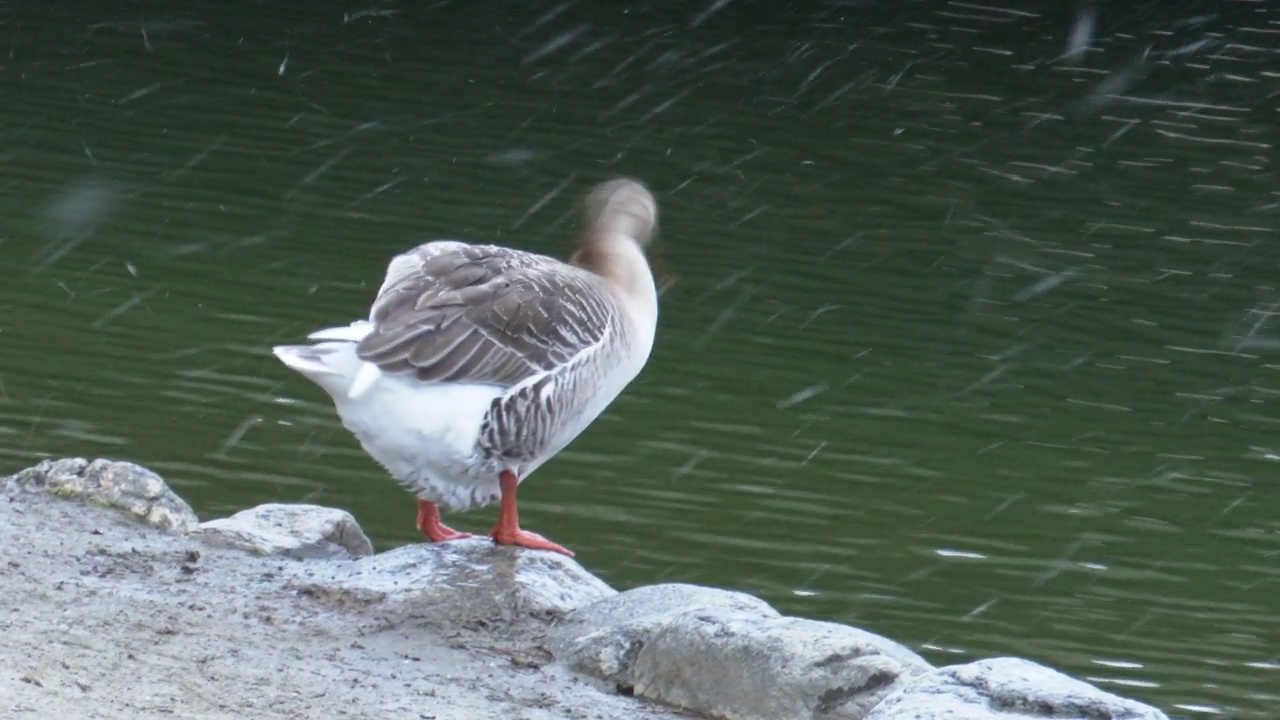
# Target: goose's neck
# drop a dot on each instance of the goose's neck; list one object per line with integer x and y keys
{"x": 620, "y": 261}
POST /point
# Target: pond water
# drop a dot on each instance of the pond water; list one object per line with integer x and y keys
{"x": 968, "y": 328}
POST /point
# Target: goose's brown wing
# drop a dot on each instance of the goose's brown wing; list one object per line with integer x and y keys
{"x": 452, "y": 312}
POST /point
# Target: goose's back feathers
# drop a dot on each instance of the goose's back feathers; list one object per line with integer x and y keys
{"x": 450, "y": 312}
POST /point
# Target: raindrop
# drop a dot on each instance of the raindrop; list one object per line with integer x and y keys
{"x": 73, "y": 216}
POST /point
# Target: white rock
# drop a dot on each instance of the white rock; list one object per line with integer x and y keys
{"x": 1006, "y": 689}
{"x": 727, "y": 654}
{"x": 123, "y": 485}
{"x": 603, "y": 639}
{"x": 293, "y": 530}
{"x": 748, "y": 667}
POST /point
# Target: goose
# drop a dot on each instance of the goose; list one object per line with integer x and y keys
{"x": 479, "y": 363}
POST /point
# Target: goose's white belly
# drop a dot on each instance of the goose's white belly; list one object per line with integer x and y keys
{"x": 425, "y": 436}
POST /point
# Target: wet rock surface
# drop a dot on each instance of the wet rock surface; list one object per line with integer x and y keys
{"x": 282, "y": 611}
{"x": 105, "y": 618}
{"x": 458, "y": 582}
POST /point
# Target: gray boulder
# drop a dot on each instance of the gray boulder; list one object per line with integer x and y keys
{"x": 110, "y": 483}
{"x": 730, "y": 655}
{"x": 296, "y": 531}
{"x": 1006, "y": 689}
{"x": 603, "y": 639}
{"x": 456, "y": 582}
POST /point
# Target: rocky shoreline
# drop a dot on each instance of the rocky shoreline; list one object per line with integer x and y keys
{"x": 120, "y": 603}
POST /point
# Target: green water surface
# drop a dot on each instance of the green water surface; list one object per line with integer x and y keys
{"x": 962, "y": 342}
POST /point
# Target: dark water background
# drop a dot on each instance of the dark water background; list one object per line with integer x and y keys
{"x": 970, "y": 339}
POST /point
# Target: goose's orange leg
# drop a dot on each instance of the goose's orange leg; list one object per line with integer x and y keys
{"x": 430, "y": 525}
{"x": 507, "y": 531}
